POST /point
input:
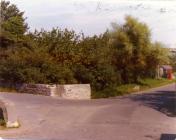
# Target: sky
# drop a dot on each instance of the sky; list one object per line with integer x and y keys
{"x": 95, "y": 16}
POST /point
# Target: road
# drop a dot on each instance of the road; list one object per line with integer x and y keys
{"x": 144, "y": 116}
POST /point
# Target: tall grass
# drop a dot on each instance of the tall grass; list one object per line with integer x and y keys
{"x": 130, "y": 88}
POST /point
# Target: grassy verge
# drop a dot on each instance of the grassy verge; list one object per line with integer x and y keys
{"x": 2, "y": 124}
{"x": 4, "y": 89}
{"x": 152, "y": 83}
{"x": 2, "y": 121}
{"x": 130, "y": 88}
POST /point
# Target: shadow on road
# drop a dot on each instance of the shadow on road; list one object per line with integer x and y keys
{"x": 163, "y": 101}
{"x": 168, "y": 137}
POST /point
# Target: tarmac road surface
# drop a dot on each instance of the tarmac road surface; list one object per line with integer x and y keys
{"x": 149, "y": 115}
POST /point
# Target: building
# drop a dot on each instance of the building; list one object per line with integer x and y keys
{"x": 172, "y": 50}
{"x": 166, "y": 71}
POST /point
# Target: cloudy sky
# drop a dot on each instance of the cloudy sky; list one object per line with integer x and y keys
{"x": 95, "y": 16}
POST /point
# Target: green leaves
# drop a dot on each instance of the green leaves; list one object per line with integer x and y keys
{"x": 12, "y": 24}
{"x": 173, "y": 60}
{"x": 120, "y": 56}
{"x": 134, "y": 55}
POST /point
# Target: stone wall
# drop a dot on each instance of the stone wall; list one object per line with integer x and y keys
{"x": 38, "y": 89}
{"x": 74, "y": 91}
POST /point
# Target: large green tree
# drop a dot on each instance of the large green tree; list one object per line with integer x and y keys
{"x": 12, "y": 24}
{"x": 131, "y": 42}
{"x": 134, "y": 54}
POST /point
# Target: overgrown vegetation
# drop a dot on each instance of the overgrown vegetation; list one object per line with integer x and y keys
{"x": 7, "y": 89}
{"x": 173, "y": 62}
{"x": 2, "y": 121}
{"x": 143, "y": 85}
{"x": 123, "y": 55}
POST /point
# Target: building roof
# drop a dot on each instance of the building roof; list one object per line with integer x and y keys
{"x": 167, "y": 67}
{"x": 173, "y": 50}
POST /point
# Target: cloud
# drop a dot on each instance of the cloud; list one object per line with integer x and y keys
{"x": 95, "y": 16}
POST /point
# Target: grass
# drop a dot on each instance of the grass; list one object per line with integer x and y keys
{"x": 152, "y": 83}
{"x": 4, "y": 89}
{"x": 130, "y": 88}
{"x": 2, "y": 125}
{"x": 2, "y": 121}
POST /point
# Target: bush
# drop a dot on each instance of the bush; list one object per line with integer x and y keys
{"x": 105, "y": 93}
{"x": 26, "y": 66}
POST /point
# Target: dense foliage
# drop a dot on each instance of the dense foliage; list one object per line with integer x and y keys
{"x": 124, "y": 54}
{"x": 173, "y": 61}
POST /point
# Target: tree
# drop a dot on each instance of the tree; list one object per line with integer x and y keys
{"x": 94, "y": 65}
{"x": 173, "y": 60}
{"x": 158, "y": 55}
{"x": 12, "y": 24}
{"x": 33, "y": 66}
{"x": 131, "y": 42}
